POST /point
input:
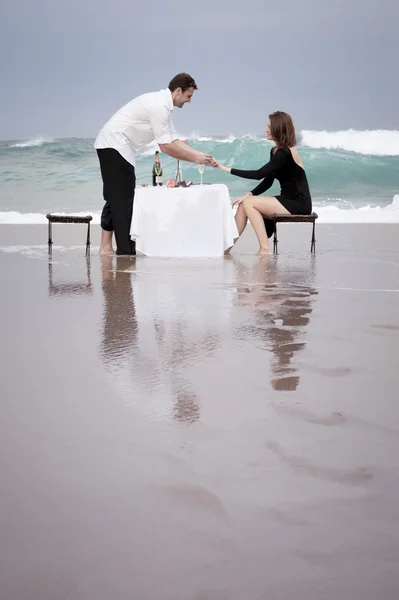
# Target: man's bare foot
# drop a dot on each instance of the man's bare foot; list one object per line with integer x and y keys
{"x": 264, "y": 251}
{"x": 106, "y": 251}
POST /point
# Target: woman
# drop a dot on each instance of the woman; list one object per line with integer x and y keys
{"x": 286, "y": 166}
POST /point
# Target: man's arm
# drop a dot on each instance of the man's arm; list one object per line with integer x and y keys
{"x": 183, "y": 151}
{"x": 166, "y": 137}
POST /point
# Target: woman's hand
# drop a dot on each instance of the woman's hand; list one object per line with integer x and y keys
{"x": 238, "y": 201}
{"x": 217, "y": 165}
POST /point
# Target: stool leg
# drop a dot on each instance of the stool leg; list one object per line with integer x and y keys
{"x": 88, "y": 239}
{"x": 313, "y": 244}
{"x": 88, "y": 271}
{"x": 50, "y": 241}
{"x": 50, "y": 275}
{"x": 275, "y": 241}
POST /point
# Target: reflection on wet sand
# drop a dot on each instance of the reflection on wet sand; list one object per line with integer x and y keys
{"x": 119, "y": 332}
{"x": 142, "y": 440}
{"x": 71, "y": 288}
{"x": 160, "y": 325}
{"x": 282, "y": 306}
{"x": 149, "y": 340}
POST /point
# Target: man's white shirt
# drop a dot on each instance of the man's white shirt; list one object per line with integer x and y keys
{"x": 141, "y": 121}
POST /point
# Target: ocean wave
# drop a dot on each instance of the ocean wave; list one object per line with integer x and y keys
{"x": 327, "y": 214}
{"x": 17, "y": 218}
{"x": 196, "y": 137}
{"x": 222, "y": 139}
{"x": 379, "y": 142}
{"x": 363, "y": 214}
{"x": 149, "y": 150}
{"x": 39, "y": 141}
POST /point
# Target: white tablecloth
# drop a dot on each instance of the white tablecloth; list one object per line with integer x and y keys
{"x": 183, "y": 222}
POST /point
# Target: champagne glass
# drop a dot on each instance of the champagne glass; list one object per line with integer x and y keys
{"x": 201, "y": 169}
{"x": 178, "y": 175}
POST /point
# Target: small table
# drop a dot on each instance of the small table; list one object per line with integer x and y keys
{"x": 197, "y": 221}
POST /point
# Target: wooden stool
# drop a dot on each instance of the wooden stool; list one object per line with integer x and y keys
{"x": 68, "y": 219}
{"x": 295, "y": 219}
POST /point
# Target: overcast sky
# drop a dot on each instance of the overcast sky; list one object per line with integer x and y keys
{"x": 68, "y": 65}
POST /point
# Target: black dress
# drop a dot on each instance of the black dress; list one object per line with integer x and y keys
{"x": 295, "y": 194}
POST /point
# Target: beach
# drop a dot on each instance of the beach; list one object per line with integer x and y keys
{"x": 200, "y": 429}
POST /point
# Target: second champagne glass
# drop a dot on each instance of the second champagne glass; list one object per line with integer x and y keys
{"x": 201, "y": 169}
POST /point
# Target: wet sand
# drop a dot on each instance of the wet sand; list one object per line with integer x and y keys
{"x": 220, "y": 429}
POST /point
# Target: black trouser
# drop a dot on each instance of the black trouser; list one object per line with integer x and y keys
{"x": 119, "y": 181}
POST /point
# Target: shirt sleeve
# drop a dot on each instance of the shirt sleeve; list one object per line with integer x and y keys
{"x": 263, "y": 186}
{"x": 161, "y": 123}
{"x": 172, "y": 129}
{"x": 277, "y": 161}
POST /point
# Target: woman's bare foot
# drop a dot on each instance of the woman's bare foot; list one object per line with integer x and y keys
{"x": 227, "y": 251}
{"x": 264, "y": 251}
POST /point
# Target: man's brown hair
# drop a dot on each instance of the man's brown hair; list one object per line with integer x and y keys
{"x": 282, "y": 129}
{"x": 183, "y": 81}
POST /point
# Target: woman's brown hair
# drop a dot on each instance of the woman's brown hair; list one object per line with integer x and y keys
{"x": 282, "y": 129}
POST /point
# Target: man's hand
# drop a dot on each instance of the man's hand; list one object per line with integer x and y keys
{"x": 204, "y": 159}
{"x": 182, "y": 150}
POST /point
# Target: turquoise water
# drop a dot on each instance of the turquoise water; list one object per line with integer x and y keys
{"x": 347, "y": 171}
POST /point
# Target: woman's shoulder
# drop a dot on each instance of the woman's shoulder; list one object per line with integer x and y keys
{"x": 289, "y": 152}
{"x": 280, "y": 151}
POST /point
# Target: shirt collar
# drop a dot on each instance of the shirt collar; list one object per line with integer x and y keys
{"x": 168, "y": 95}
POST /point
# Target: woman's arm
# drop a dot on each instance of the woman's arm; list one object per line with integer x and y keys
{"x": 277, "y": 161}
{"x": 263, "y": 186}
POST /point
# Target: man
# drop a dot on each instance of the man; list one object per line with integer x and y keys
{"x": 143, "y": 120}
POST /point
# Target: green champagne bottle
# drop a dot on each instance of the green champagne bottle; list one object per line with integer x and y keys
{"x": 157, "y": 170}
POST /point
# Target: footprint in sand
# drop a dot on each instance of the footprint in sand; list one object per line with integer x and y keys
{"x": 388, "y": 327}
{"x": 193, "y": 497}
{"x": 331, "y": 420}
{"x": 353, "y": 477}
{"x": 332, "y": 372}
